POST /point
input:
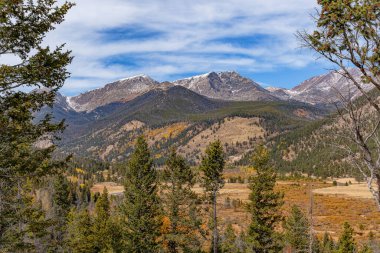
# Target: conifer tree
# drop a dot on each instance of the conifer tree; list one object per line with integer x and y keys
{"x": 296, "y": 227}
{"x": 327, "y": 243}
{"x": 115, "y": 235}
{"x": 264, "y": 206}
{"x": 346, "y": 243}
{"x": 212, "y": 166}
{"x": 23, "y": 26}
{"x": 141, "y": 208}
{"x": 61, "y": 208}
{"x": 80, "y": 234}
{"x": 101, "y": 225}
{"x": 228, "y": 242}
{"x": 29, "y": 234}
{"x": 183, "y": 231}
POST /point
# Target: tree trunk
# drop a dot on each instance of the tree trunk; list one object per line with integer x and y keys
{"x": 215, "y": 225}
{"x": 378, "y": 190}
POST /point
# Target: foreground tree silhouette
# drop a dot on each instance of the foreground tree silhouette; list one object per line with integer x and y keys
{"x": 183, "y": 232}
{"x": 264, "y": 207}
{"x": 23, "y": 25}
{"x": 141, "y": 206}
{"x": 212, "y": 166}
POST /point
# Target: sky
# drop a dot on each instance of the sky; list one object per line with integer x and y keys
{"x": 172, "y": 39}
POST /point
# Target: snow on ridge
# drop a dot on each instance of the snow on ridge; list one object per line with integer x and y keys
{"x": 72, "y": 105}
{"x": 193, "y": 77}
{"x": 133, "y": 77}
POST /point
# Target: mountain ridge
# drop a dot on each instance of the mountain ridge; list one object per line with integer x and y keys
{"x": 227, "y": 85}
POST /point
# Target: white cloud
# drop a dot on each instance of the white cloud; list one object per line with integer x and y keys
{"x": 189, "y": 37}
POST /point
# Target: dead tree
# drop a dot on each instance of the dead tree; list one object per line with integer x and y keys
{"x": 347, "y": 34}
{"x": 357, "y": 133}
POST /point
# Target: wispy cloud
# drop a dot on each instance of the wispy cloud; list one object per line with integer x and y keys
{"x": 169, "y": 39}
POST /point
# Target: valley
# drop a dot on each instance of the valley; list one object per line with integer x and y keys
{"x": 331, "y": 205}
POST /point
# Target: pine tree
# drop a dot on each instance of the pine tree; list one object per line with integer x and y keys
{"x": 61, "y": 209}
{"x": 141, "y": 207}
{"x": 115, "y": 235}
{"x": 101, "y": 225}
{"x": 346, "y": 243}
{"x": 183, "y": 230}
{"x": 212, "y": 166}
{"x": 327, "y": 243}
{"x": 23, "y": 25}
{"x": 106, "y": 230}
{"x": 264, "y": 206}
{"x": 80, "y": 234}
{"x": 296, "y": 228}
{"x": 29, "y": 234}
{"x": 229, "y": 239}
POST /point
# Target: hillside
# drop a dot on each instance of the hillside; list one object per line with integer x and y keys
{"x": 313, "y": 148}
{"x": 176, "y": 116}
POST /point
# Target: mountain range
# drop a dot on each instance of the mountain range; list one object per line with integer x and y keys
{"x": 230, "y": 86}
{"x": 188, "y": 113}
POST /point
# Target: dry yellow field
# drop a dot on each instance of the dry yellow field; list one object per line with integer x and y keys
{"x": 331, "y": 208}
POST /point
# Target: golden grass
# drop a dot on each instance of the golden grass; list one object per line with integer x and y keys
{"x": 329, "y": 211}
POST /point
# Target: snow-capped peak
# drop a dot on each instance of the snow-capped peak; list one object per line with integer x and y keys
{"x": 134, "y": 77}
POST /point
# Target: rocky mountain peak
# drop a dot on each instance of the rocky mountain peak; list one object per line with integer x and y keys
{"x": 228, "y": 85}
{"x": 323, "y": 89}
{"x": 122, "y": 90}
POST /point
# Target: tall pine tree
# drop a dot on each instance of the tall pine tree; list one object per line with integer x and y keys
{"x": 23, "y": 26}
{"x": 61, "y": 208}
{"x": 101, "y": 225}
{"x": 212, "y": 166}
{"x": 264, "y": 206}
{"x": 141, "y": 207}
{"x": 296, "y": 228}
{"x": 80, "y": 234}
{"x": 183, "y": 232}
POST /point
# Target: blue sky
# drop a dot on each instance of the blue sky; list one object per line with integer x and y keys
{"x": 171, "y": 39}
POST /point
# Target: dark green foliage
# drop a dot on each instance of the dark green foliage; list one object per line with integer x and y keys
{"x": 297, "y": 230}
{"x": 141, "y": 208}
{"x": 346, "y": 243}
{"x": 23, "y": 25}
{"x": 230, "y": 242}
{"x": 101, "y": 224}
{"x": 264, "y": 206}
{"x": 80, "y": 234}
{"x": 62, "y": 201}
{"x": 212, "y": 166}
{"x": 182, "y": 233}
{"x": 30, "y": 232}
{"x": 61, "y": 196}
